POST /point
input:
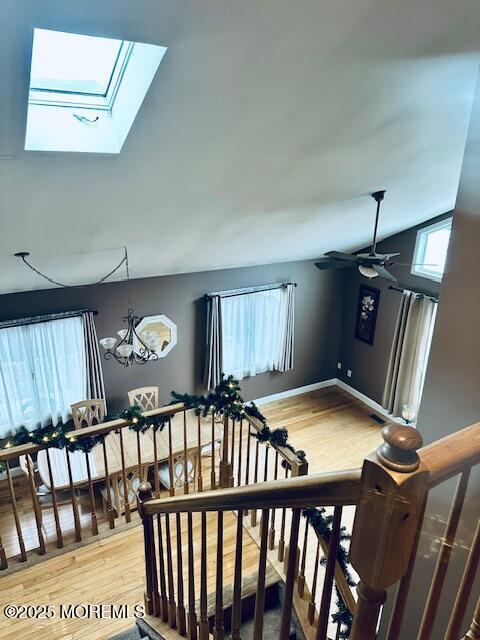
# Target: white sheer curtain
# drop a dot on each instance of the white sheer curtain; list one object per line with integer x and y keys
{"x": 42, "y": 372}
{"x": 257, "y": 332}
{"x": 410, "y": 352}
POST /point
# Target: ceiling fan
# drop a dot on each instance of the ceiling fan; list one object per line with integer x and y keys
{"x": 370, "y": 264}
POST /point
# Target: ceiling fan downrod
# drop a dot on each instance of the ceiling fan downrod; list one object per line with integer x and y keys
{"x": 378, "y": 197}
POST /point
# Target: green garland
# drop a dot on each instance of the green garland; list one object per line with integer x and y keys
{"x": 138, "y": 422}
{"x": 322, "y": 525}
{"x": 226, "y": 400}
{"x": 63, "y": 437}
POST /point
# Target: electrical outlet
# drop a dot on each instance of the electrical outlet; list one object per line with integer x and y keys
{"x": 339, "y": 365}
{"x": 349, "y": 373}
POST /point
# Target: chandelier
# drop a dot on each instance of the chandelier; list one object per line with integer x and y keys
{"x": 131, "y": 348}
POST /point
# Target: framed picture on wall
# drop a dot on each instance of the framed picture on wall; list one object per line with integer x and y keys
{"x": 368, "y": 302}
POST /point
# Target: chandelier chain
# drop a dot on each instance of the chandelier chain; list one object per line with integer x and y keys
{"x": 77, "y": 286}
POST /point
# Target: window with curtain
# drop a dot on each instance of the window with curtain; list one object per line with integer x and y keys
{"x": 43, "y": 370}
{"x": 410, "y": 352}
{"x": 257, "y": 332}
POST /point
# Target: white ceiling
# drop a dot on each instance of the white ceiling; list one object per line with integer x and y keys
{"x": 264, "y": 129}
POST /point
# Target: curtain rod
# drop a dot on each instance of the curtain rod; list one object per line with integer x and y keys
{"x": 45, "y": 318}
{"x": 238, "y": 292}
{"x": 419, "y": 293}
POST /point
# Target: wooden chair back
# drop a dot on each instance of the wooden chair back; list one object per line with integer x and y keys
{"x": 179, "y": 463}
{"x": 146, "y": 398}
{"x": 88, "y": 413}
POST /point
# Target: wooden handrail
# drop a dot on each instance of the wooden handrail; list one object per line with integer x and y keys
{"x": 95, "y": 430}
{"x": 287, "y": 454}
{"x": 322, "y": 489}
{"x": 449, "y": 456}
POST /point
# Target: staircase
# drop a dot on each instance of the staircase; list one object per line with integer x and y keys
{"x": 186, "y": 594}
{"x": 274, "y": 596}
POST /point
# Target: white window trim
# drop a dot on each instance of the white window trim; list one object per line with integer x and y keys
{"x": 419, "y": 252}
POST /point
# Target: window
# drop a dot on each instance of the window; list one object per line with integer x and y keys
{"x": 257, "y": 330}
{"x": 431, "y": 250}
{"x": 85, "y": 91}
{"x": 76, "y": 64}
{"x": 42, "y": 372}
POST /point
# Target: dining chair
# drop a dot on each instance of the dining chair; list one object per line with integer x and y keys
{"x": 41, "y": 494}
{"x": 88, "y": 412}
{"x": 146, "y": 398}
{"x": 178, "y": 469}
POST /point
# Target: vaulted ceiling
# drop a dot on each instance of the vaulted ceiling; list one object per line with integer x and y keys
{"x": 265, "y": 128}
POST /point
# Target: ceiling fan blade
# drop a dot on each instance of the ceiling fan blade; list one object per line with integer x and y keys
{"x": 383, "y": 273}
{"x": 411, "y": 264}
{"x": 338, "y": 255}
{"x": 328, "y": 263}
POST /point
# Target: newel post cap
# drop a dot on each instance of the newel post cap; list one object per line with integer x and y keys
{"x": 144, "y": 493}
{"x": 399, "y": 450}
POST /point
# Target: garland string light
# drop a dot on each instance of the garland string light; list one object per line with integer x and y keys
{"x": 322, "y": 525}
{"x": 226, "y": 400}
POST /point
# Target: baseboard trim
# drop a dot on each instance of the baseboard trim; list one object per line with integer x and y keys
{"x": 332, "y": 382}
{"x": 296, "y": 392}
{"x": 366, "y": 400}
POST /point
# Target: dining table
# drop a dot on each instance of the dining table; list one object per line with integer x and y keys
{"x": 132, "y": 472}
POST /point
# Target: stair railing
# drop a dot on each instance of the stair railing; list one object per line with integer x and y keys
{"x": 390, "y": 494}
{"x": 111, "y": 466}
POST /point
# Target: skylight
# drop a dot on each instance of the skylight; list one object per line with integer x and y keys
{"x": 73, "y": 63}
{"x": 85, "y": 91}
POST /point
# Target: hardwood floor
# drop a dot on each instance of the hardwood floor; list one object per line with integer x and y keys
{"x": 333, "y": 428}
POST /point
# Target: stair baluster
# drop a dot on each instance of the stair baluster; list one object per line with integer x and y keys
{"x": 301, "y": 575}
{"x": 203, "y": 625}
{"x": 271, "y": 537}
{"x": 172, "y": 617}
{"x": 181, "y": 617}
{"x": 192, "y": 616}
{"x": 253, "y": 512}
{"x": 313, "y": 591}
{"x": 262, "y": 567}
{"x": 73, "y": 497}
{"x": 237, "y": 581}
{"x": 18, "y": 526}
{"x": 161, "y": 563}
{"x": 213, "y": 479}
{"x": 333, "y": 543}
{"x": 219, "y": 631}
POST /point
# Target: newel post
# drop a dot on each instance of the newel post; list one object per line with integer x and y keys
{"x": 151, "y": 596}
{"x": 393, "y": 488}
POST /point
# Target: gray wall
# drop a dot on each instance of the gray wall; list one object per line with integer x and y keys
{"x": 369, "y": 363}
{"x": 180, "y": 297}
{"x": 451, "y": 398}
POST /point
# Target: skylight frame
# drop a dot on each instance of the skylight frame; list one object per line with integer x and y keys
{"x": 419, "y": 255}
{"x": 65, "y": 121}
{"x": 83, "y": 100}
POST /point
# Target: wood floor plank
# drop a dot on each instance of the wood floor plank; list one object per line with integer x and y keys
{"x": 333, "y": 428}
